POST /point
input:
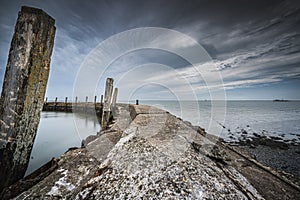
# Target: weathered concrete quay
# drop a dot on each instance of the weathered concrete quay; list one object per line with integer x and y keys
{"x": 148, "y": 153}
{"x": 142, "y": 152}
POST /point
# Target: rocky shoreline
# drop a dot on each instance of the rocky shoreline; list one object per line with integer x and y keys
{"x": 279, "y": 152}
{"x": 148, "y": 153}
{"x": 284, "y": 157}
{"x": 273, "y": 152}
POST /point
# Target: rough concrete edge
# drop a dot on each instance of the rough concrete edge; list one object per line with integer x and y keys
{"x": 263, "y": 167}
{"x": 134, "y": 113}
{"x": 276, "y": 173}
{"x": 244, "y": 185}
{"x": 30, "y": 180}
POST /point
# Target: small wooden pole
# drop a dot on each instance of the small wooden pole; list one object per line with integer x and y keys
{"x": 46, "y": 100}
{"x": 55, "y": 103}
{"x": 66, "y": 103}
{"x": 86, "y": 102}
{"x": 95, "y": 100}
{"x": 137, "y": 102}
{"x": 75, "y": 106}
{"x": 107, "y": 102}
{"x": 101, "y": 99}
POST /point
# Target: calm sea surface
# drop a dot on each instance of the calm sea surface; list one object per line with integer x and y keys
{"x": 277, "y": 119}
{"x": 59, "y": 131}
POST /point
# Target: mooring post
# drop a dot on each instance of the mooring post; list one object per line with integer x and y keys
{"x": 95, "y": 100}
{"x": 107, "y": 102}
{"x": 86, "y": 103}
{"x": 55, "y": 103}
{"x": 114, "y": 101}
{"x": 76, "y": 100}
{"x": 137, "y": 102}
{"x": 101, "y": 99}
{"x": 46, "y": 100}
{"x": 66, "y": 103}
{"x": 23, "y": 91}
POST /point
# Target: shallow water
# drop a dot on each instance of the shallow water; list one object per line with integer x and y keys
{"x": 57, "y": 132}
{"x": 242, "y": 119}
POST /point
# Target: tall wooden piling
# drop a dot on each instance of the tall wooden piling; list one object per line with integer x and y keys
{"x": 114, "y": 101}
{"x": 107, "y": 102}
{"x": 95, "y": 100}
{"x": 23, "y": 91}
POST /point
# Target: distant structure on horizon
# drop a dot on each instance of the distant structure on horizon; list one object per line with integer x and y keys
{"x": 280, "y": 100}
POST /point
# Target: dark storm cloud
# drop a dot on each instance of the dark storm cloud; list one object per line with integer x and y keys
{"x": 258, "y": 39}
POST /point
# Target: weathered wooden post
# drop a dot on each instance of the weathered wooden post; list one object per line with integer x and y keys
{"x": 114, "y": 101}
{"x": 137, "y": 102}
{"x": 95, "y": 100}
{"x": 75, "y": 108}
{"x": 45, "y": 104}
{"x": 55, "y": 103}
{"x": 107, "y": 102}
{"x": 23, "y": 91}
{"x": 86, "y": 103}
{"x": 101, "y": 99}
{"x": 66, "y": 103}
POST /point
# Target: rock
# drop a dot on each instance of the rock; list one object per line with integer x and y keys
{"x": 88, "y": 140}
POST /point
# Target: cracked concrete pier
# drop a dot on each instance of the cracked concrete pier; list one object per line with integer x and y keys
{"x": 148, "y": 153}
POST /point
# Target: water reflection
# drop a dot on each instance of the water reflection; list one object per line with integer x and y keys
{"x": 57, "y": 132}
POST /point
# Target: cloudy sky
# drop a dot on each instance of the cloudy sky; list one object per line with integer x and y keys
{"x": 251, "y": 48}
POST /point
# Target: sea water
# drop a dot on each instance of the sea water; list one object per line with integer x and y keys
{"x": 240, "y": 120}
{"x": 57, "y": 132}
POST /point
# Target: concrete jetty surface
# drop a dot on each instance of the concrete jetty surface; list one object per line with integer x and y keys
{"x": 148, "y": 153}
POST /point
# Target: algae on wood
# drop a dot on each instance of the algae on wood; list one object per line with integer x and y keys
{"x": 23, "y": 91}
